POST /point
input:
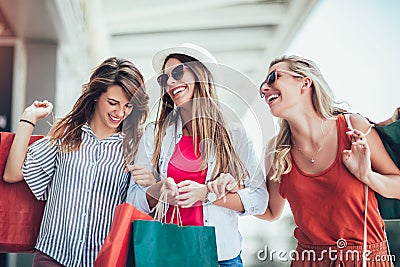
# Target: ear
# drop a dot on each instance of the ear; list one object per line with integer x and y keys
{"x": 307, "y": 83}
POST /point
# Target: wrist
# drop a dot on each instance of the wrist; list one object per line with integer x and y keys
{"x": 27, "y": 122}
{"x": 367, "y": 177}
{"x": 28, "y": 117}
{"x": 204, "y": 192}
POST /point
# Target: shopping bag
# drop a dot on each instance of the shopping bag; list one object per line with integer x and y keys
{"x": 115, "y": 248}
{"x": 389, "y": 207}
{"x": 20, "y": 212}
{"x": 390, "y": 136}
{"x": 158, "y": 244}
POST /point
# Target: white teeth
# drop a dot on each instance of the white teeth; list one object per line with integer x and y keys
{"x": 114, "y": 119}
{"x": 177, "y": 90}
{"x": 272, "y": 97}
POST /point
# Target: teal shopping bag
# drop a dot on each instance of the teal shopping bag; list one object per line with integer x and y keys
{"x": 390, "y": 136}
{"x": 389, "y": 207}
{"x": 157, "y": 244}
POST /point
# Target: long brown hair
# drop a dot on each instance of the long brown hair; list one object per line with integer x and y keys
{"x": 208, "y": 123}
{"x": 113, "y": 71}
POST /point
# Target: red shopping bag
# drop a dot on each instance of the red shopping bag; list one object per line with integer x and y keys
{"x": 20, "y": 212}
{"x": 115, "y": 248}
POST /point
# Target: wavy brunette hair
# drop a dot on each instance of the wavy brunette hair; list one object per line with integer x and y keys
{"x": 67, "y": 132}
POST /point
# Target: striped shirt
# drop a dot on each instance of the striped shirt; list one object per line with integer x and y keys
{"x": 82, "y": 189}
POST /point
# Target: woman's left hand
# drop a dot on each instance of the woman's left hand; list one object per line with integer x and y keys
{"x": 190, "y": 192}
{"x": 357, "y": 160}
{"x": 225, "y": 183}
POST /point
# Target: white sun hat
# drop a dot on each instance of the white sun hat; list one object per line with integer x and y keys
{"x": 195, "y": 51}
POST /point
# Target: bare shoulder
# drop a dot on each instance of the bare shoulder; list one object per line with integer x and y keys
{"x": 359, "y": 122}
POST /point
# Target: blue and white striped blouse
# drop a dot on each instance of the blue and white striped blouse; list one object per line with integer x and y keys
{"x": 82, "y": 189}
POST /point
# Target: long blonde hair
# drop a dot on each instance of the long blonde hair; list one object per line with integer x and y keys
{"x": 208, "y": 123}
{"x": 278, "y": 148}
{"x": 113, "y": 71}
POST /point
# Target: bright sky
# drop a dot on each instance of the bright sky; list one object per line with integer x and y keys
{"x": 356, "y": 45}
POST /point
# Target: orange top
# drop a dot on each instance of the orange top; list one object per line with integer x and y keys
{"x": 330, "y": 205}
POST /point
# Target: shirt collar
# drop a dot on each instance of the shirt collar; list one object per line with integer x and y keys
{"x": 112, "y": 138}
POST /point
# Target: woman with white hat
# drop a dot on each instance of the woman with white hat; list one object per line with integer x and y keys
{"x": 207, "y": 168}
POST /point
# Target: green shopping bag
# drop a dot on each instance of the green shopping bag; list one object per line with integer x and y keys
{"x": 390, "y": 136}
{"x": 389, "y": 207}
{"x": 153, "y": 243}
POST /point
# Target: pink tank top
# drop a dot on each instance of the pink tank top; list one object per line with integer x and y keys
{"x": 185, "y": 165}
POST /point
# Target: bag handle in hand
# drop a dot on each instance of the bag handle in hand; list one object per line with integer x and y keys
{"x": 162, "y": 208}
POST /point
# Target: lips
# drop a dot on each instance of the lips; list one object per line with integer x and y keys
{"x": 114, "y": 119}
{"x": 177, "y": 90}
{"x": 272, "y": 97}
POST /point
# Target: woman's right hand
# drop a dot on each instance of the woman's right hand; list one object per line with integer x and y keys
{"x": 141, "y": 175}
{"x": 171, "y": 188}
{"x": 37, "y": 111}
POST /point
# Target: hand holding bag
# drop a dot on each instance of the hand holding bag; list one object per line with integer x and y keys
{"x": 390, "y": 137}
{"x": 20, "y": 212}
{"x": 115, "y": 248}
{"x": 157, "y": 244}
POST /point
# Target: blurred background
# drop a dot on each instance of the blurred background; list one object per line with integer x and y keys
{"x": 48, "y": 49}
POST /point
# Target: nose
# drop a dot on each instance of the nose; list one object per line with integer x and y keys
{"x": 121, "y": 112}
{"x": 171, "y": 80}
{"x": 264, "y": 89}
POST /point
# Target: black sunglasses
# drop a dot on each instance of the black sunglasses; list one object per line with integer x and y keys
{"x": 176, "y": 73}
{"x": 273, "y": 76}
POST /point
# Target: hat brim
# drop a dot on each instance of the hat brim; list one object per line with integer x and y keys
{"x": 159, "y": 58}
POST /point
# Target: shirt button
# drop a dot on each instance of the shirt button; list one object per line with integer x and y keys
{"x": 206, "y": 221}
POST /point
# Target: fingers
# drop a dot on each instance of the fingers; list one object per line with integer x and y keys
{"x": 356, "y": 135}
{"x": 190, "y": 193}
{"x": 223, "y": 184}
{"x": 184, "y": 183}
{"x": 170, "y": 187}
{"x": 346, "y": 154}
{"x": 43, "y": 104}
{"x": 38, "y": 110}
{"x": 213, "y": 187}
{"x": 141, "y": 175}
{"x": 170, "y": 184}
{"x": 232, "y": 187}
{"x": 359, "y": 146}
{"x": 358, "y": 152}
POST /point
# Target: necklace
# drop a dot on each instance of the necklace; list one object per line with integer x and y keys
{"x": 312, "y": 159}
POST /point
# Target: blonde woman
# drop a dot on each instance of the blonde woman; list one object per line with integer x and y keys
{"x": 79, "y": 168}
{"x": 196, "y": 156}
{"x": 320, "y": 167}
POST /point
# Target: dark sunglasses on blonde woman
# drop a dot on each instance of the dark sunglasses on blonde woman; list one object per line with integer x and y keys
{"x": 273, "y": 76}
{"x": 176, "y": 73}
